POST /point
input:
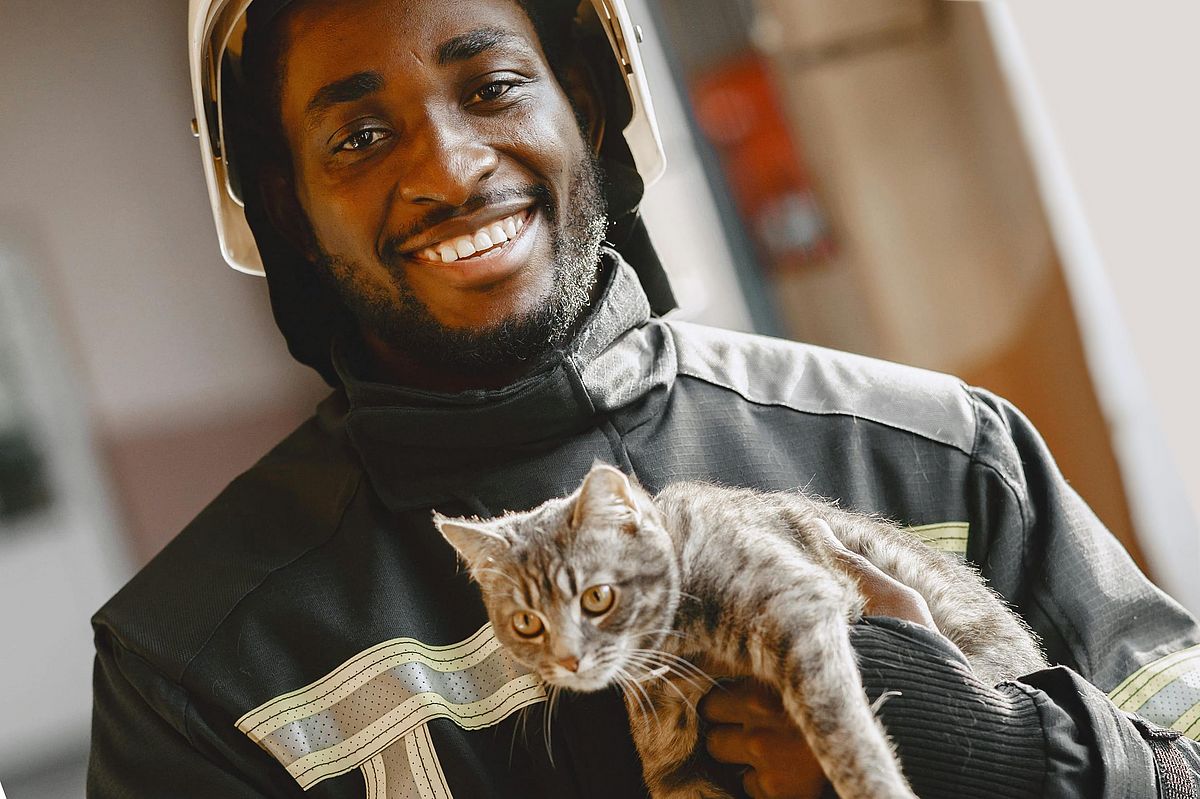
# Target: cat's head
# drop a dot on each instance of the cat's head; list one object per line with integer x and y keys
{"x": 576, "y": 586}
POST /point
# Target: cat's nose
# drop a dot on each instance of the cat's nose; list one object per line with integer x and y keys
{"x": 570, "y": 664}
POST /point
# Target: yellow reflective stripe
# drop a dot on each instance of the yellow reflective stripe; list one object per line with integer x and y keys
{"x": 944, "y": 536}
{"x": 360, "y": 670}
{"x": 1189, "y": 723}
{"x": 424, "y": 765}
{"x": 375, "y": 777}
{"x": 1144, "y": 683}
{"x": 407, "y": 716}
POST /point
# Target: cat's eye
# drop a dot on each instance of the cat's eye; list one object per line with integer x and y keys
{"x": 598, "y": 599}
{"x": 527, "y": 625}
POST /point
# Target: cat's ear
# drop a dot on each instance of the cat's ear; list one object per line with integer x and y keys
{"x": 606, "y": 491}
{"x": 474, "y": 540}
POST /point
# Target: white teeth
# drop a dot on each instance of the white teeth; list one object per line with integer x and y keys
{"x": 483, "y": 239}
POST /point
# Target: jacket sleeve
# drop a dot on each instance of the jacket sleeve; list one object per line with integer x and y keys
{"x": 1124, "y": 646}
{"x": 1043, "y": 548}
{"x": 1049, "y": 734}
{"x": 140, "y": 744}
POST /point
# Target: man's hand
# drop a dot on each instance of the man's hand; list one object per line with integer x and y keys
{"x": 750, "y": 726}
{"x": 752, "y": 729}
{"x": 885, "y": 596}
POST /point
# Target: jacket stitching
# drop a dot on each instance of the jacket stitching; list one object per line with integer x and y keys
{"x": 351, "y": 488}
{"x": 1045, "y": 601}
{"x": 809, "y": 411}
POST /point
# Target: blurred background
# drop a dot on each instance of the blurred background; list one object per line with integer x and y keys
{"x": 1002, "y": 190}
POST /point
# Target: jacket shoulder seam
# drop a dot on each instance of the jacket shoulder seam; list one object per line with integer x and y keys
{"x": 352, "y": 486}
{"x": 1060, "y": 621}
{"x": 832, "y": 383}
{"x": 767, "y": 403}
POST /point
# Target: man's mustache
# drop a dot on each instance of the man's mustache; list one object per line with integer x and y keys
{"x": 392, "y": 249}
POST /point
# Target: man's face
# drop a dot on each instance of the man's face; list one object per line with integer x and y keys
{"x": 444, "y": 174}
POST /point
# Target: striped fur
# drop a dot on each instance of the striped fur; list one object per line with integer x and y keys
{"x": 725, "y": 582}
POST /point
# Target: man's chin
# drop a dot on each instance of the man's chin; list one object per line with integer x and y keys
{"x": 516, "y": 343}
{"x": 404, "y": 327}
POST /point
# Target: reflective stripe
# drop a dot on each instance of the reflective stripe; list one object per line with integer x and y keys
{"x": 424, "y": 765}
{"x": 945, "y": 536}
{"x": 371, "y": 713}
{"x": 1189, "y": 723}
{"x": 1166, "y": 692}
{"x": 358, "y": 671}
{"x": 375, "y": 778}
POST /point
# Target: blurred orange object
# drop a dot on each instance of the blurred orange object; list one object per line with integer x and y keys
{"x": 738, "y": 110}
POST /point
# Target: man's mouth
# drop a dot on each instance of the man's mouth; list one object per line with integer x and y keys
{"x": 487, "y": 239}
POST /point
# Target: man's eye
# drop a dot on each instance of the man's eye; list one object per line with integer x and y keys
{"x": 361, "y": 140}
{"x": 493, "y": 91}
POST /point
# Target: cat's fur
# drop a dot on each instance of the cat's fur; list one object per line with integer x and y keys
{"x": 732, "y": 582}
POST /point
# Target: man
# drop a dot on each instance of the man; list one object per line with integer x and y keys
{"x": 426, "y": 182}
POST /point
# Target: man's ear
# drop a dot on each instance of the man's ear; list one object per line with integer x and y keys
{"x": 581, "y": 86}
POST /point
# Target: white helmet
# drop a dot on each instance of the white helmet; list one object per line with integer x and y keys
{"x": 216, "y": 28}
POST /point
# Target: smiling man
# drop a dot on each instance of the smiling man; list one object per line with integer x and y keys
{"x": 443, "y": 196}
{"x": 452, "y": 198}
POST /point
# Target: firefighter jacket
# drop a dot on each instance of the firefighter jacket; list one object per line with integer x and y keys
{"x": 311, "y": 633}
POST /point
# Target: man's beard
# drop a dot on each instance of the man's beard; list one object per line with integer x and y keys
{"x": 405, "y": 324}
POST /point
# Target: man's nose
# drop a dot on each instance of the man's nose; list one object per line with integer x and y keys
{"x": 446, "y": 164}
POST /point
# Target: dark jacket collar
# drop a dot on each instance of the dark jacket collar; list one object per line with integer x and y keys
{"x": 416, "y": 443}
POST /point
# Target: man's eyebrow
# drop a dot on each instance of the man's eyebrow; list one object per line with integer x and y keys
{"x": 467, "y": 45}
{"x": 345, "y": 90}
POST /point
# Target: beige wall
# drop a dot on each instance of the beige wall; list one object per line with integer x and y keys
{"x": 1106, "y": 91}
{"x": 100, "y": 165}
{"x": 946, "y": 257}
{"x": 102, "y": 207}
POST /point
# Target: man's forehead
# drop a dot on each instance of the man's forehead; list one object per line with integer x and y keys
{"x": 346, "y": 27}
{"x": 326, "y": 40}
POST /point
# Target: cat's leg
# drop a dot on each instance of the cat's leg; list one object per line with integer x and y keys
{"x": 666, "y": 732}
{"x": 803, "y": 646}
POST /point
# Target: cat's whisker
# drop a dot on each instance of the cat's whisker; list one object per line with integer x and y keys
{"x": 631, "y": 698}
{"x": 671, "y": 684}
{"x": 665, "y": 631}
{"x": 656, "y": 670}
{"x": 679, "y": 660}
{"x": 642, "y": 694}
{"x": 681, "y": 663}
{"x": 521, "y": 725}
{"x": 551, "y": 699}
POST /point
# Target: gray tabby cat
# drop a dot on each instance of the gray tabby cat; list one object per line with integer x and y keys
{"x": 609, "y": 586}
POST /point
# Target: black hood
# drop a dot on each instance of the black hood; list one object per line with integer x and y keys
{"x": 307, "y": 310}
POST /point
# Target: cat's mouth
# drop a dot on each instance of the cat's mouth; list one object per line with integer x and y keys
{"x": 585, "y": 680}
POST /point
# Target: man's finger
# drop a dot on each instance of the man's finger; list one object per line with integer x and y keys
{"x": 885, "y": 595}
{"x": 727, "y": 744}
{"x": 750, "y": 785}
{"x": 741, "y": 702}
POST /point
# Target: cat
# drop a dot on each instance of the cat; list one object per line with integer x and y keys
{"x": 610, "y": 586}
